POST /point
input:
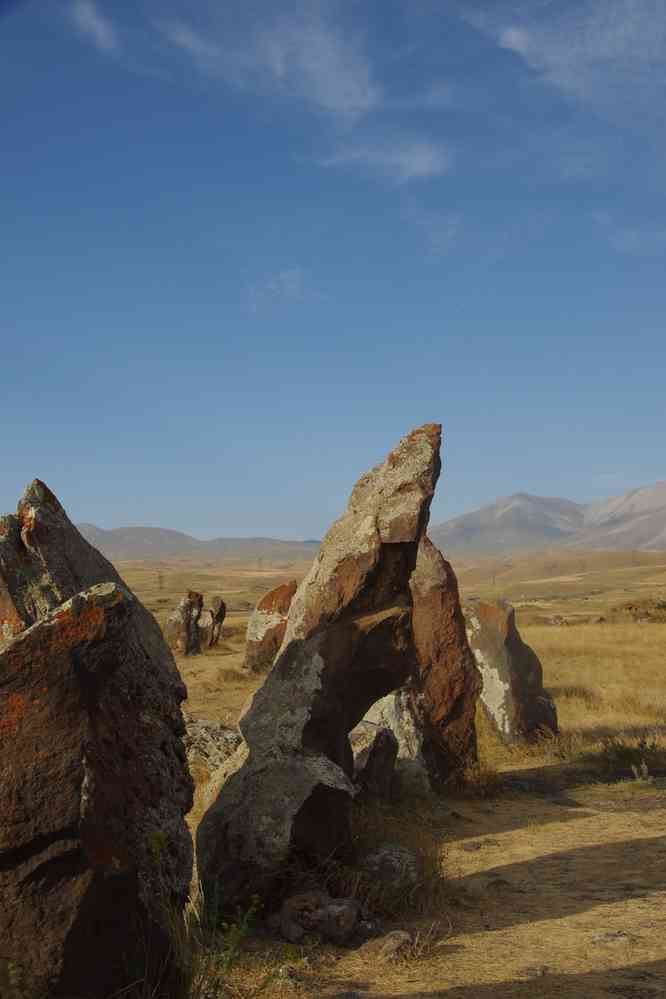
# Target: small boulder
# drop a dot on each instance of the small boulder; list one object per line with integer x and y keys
{"x": 266, "y": 627}
{"x": 513, "y": 696}
{"x": 393, "y": 865}
{"x": 375, "y": 766}
{"x": 333, "y": 919}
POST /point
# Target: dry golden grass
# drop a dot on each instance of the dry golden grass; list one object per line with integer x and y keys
{"x": 548, "y": 879}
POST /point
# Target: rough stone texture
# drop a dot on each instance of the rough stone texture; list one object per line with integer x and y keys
{"x": 94, "y": 783}
{"x": 348, "y": 642}
{"x": 375, "y": 766}
{"x": 209, "y": 742}
{"x": 432, "y": 717}
{"x": 513, "y": 696}
{"x": 315, "y": 912}
{"x": 266, "y": 627}
{"x": 218, "y": 609}
{"x": 182, "y": 630}
{"x": 395, "y": 712}
{"x": 443, "y": 697}
{"x": 394, "y": 865}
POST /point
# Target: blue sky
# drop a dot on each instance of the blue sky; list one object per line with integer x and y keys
{"x": 248, "y": 245}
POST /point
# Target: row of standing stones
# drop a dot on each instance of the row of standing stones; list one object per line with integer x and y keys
{"x": 95, "y": 855}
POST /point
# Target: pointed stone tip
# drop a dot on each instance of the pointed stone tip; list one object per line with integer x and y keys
{"x": 38, "y": 494}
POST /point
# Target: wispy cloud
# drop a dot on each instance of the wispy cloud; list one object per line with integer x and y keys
{"x": 93, "y": 25}
{"x": 287, "y": 286}
{"x": 400, "y": 158}
{"x": 301, "y": 56}
{"x": 610, "y": 54}
{"x": 632, "y": 240}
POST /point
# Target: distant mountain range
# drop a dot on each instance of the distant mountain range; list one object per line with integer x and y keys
{"x": 635, "y": 521}
{"x": 154, "y": 543}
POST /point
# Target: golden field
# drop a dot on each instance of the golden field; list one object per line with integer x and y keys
{"x": 548, "y": 878}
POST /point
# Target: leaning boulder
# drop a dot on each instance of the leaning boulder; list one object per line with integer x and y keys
{"x": 513, "y": 696}
{"x": 95, "y": 857}
{"x": 348, "y": 642}
{"x": 266, "y": 627}
{"x": 182, "y": 630}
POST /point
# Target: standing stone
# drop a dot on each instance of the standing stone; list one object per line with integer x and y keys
{"x": 182, "y": 626}
{"x": 513, "y": 696}
{"x": 348, "y": 642}
{"x": 444, "y": 694}
{"x": 432, "y": 716}
{"x": 266, "y": 627}
{"x": 95, "y": 857}
{"x": 219, "y": 612}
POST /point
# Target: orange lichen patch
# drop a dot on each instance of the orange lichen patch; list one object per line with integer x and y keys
{"x": 10, "y": 622}
{"x": 15, "y": 709}
{"x": 279, "y": 599}
{"x": 76, "y": 628}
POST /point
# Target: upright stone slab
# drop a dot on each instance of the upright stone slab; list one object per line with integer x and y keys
{"x": 432, "y": 716}
{"x": 513, "y": 696}
{"x": 182, "y": 630}
{"x": 444, "y": 694}
{"x": 95, "y": 858}
{"x": 218, "y": 610}
{"x": 266, "y": 627}
{"x": 348, "y": 642}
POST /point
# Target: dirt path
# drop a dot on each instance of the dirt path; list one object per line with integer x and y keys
{"x": 552, "y": 895}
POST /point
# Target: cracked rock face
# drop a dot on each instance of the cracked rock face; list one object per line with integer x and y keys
{"x": 432, "y": 716}
{"x": 347, "y": 643}
{"x": 513, "y": 696}
{"x": 185, "y": 631}
{"x": 266, "y": 627}
{"x": 95, "y": 786}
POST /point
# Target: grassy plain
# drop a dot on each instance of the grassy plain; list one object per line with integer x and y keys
{"x": 547, "y": 879}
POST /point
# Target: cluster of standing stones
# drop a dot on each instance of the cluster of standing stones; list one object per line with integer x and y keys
{"x": 95, "y": 855}
{"x": 191, "y": 628}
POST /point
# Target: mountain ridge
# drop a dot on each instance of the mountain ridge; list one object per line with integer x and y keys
{"x": 636, "y": 520}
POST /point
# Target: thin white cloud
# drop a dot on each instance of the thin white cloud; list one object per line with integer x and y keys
{"x": 287, "y": 286}
{"x": 632, "y": 240}
{"x": 302, "y": 56}
{"x": 401, "y": 159}
{"x": 92, "y": 24}
{"x": 610, "y": 54}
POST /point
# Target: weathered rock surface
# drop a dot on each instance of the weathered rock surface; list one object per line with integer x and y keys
{"x": 432, "y": 716}
{"x": 375, "y": 766}
{"x": 218, "y": 609}
{"x": 315, "y": 912}
{"x": 444, "y": 694}
{"x": 182, "y": 630}
{"x": 209, "y": 742}
{"x": 348, "y": 642}
{"x": 94, "y": 783}
{"x": 393, "y": 865}
{"x": 513, "y": 696}
{"x": 266, "y": 627}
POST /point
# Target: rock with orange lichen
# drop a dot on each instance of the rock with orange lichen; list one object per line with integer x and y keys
{"x": 94, "y": 850}
{"x": 347, "y": 643}
{"x": 266, "y": 627}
